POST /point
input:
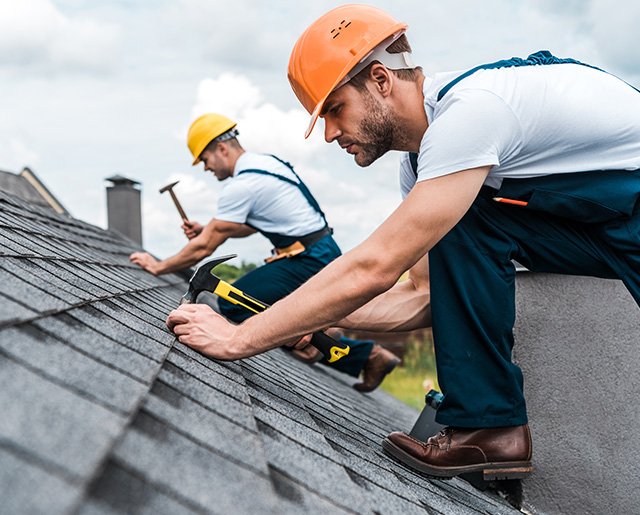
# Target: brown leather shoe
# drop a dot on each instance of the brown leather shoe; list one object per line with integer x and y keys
{"x": 499, "y": 453}
{"x": 378, "y": 365}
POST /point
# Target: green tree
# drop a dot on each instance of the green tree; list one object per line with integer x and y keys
{"x": 230, "y": 273}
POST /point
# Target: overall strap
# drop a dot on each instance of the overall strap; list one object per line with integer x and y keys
{"x": 300, "y": 185}
{"x": 543, "y": 57}
{"x": 413, "y": 159}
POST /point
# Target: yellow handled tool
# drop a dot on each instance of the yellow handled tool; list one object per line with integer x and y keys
{"x": 205, "y": 280}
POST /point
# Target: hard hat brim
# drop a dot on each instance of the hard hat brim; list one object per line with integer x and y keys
{"x": 314, "y": 117}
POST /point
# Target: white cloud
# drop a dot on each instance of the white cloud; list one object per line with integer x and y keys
{"x": 231, "y": 94}
{"x": 76, "y": 130}
{"x": 34, "y": 33}
{"x": 615, "y": 34}
{"x": 243, "y": 34}
{"x": 18, "y": 154}
{"x": 263, "y": 126}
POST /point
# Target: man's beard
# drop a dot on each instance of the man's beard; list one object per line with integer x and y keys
{"x": 376, "y": 132}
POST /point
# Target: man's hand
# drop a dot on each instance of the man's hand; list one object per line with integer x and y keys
{"x": 191, "y": 228}
{"x": 204, "y": 330}
{"x": 302, "y": 343}
{"x": 146, "y": 261}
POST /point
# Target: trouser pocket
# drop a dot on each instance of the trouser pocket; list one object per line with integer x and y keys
{"x": 589, "y": 197}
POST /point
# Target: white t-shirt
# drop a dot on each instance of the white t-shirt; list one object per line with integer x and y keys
{"x": 264, "y": 202}
{"x": 526, "y": 122}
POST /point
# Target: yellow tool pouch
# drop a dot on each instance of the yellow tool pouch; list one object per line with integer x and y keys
{"x": 292, "y": 250}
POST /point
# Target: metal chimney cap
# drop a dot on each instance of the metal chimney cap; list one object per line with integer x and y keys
{"x": 119, "y": 180}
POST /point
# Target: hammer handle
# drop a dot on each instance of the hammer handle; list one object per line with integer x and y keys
{"x": 331, "y": 349}
{"x": 178, "y": 206}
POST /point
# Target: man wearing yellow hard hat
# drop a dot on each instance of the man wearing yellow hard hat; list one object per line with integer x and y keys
{"x": 531, "y": 159}
{"x": 262, "y": 193}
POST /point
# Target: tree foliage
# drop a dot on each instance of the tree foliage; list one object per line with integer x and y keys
{"x": 230, "y": 273}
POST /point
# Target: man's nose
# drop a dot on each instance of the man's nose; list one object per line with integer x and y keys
{"x": 331, "y": 131}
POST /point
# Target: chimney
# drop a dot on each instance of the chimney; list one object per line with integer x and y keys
{"x": 123, "y": 207}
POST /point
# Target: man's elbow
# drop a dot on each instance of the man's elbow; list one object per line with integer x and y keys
{"x": 200, "y": 248}
{"x": 374, "y": 277}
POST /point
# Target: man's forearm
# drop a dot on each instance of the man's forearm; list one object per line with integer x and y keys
{"x": 187, "y": 257}
{"x": 276, "y": 326}
{"x": 402, "y": 308}
{"x": 203, "y": 245}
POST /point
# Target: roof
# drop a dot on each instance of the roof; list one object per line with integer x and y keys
{"x": 29, "y": 187}
{"x": 103, "y": 411}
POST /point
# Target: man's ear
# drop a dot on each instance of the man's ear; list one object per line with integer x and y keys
{"x": 223, "y": 149}
{"x": 382, "y": 79}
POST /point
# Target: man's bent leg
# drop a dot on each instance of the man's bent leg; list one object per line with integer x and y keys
{"x": 472, "y": 284}
{"x": 473, "y": 303}
{"x": 473, "y": 310}
{"x": 473, "y": 313}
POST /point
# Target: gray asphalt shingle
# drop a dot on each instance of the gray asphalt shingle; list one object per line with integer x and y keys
{"x": 216, "y": 429}
{"x": 54, "y": 423}
{"x": 75, "y": 370}
{"x": 177, "y": 463}
{"x": 104, "y": 412}
{"x": 115, "y": 330}
{"x": 43, "y": 275}
{"x": 23, "y": 290}
{"x": 30, "y": 488}
{"x": 13, "y": 311}
{"x": 83, "y": 337}
{"x": 118, "y": 491}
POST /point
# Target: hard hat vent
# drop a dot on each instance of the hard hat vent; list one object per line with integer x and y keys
{"x": 338, "y": 30}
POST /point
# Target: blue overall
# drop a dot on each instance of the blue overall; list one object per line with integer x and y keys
{"x": 583, "y": 223}
{"x": 277, "y": 279}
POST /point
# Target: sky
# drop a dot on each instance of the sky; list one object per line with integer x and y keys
{"x": 90, "y": 89}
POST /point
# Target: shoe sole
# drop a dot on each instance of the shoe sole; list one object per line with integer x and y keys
{"x": 490, "y": 471}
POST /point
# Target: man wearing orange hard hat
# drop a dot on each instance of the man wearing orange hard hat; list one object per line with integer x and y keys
{"x": 496, "y": 168}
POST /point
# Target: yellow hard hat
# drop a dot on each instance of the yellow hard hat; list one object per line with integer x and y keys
{"x": 333, "y": 46}
{"x": 204, "y": 130}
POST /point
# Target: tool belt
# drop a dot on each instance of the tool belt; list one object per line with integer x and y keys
{"x": 299, "y": 246}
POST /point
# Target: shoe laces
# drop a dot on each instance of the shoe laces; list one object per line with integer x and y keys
{"x": 446, "y": 431}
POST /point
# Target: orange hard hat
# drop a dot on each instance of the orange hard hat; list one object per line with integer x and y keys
{"x": 331, "y": 47}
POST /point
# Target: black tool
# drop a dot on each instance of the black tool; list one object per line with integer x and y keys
{"x": 426, "y": 425}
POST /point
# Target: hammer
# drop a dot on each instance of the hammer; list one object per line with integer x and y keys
{"x": 205, "y": 280}
{"x": 169, "y": 188}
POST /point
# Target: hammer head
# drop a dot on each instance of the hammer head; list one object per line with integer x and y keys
{"x": 203, "y": 279}
{"x": 168, "y": 187}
